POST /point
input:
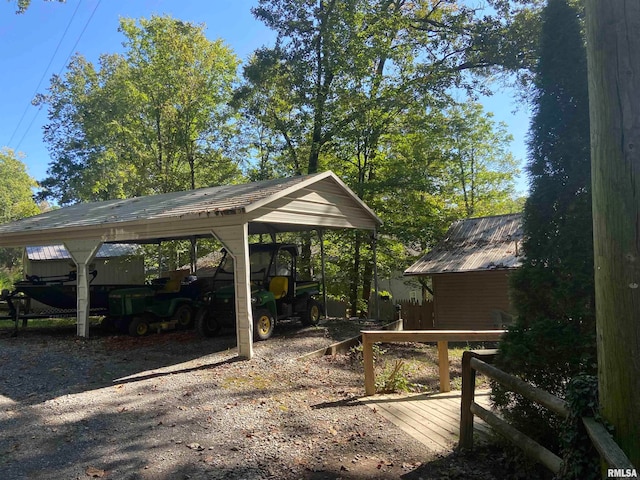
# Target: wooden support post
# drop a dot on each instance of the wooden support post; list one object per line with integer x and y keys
{"x": 369, "y": 372}
{"x": 443, "y": 365}
{"x": 468, "y": 395}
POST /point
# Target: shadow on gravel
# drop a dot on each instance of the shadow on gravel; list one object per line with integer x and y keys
{"x": 41, "y": 364}
{"x": 149, "y": 376}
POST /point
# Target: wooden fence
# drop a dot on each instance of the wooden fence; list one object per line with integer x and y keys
{"x": 417, "y": 316}
{"x": 477, "y": 360}
{"x": 442, "y": 337}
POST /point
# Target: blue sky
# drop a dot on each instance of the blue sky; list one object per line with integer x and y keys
{"x": 38, "y": 44}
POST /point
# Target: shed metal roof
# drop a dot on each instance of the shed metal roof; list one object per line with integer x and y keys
{"x": 475, "y": 244}
{"x": 59, "y": 252}
{"x": 287, "y": 204}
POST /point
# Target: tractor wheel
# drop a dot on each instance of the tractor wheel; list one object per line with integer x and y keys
{"x": 183, "y": 316}
{"x": 311, "y": 316}
{"x": 206, "y": 324}
{"x": 263, "y": 324}
{"x": 139, "y": 326}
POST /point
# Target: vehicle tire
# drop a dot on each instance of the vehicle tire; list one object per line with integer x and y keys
{"x": 206, "y": 324}
{"x": 263, "y": 324}
{"x": 313, "y": 313}
{"x": 139, "y": 326}
{"x": 183, "y": 317}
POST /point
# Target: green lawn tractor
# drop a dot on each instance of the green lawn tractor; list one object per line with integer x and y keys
{"x": 163, "y": 305}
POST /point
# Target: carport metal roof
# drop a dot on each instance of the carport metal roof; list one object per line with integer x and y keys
{"x": 230, "y": 213}
{"x": 289, "y": 204}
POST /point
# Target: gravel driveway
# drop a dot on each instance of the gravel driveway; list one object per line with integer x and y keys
{"x": 175, "y": 406}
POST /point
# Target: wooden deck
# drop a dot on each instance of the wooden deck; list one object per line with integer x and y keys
{"x": 432, "y": 419}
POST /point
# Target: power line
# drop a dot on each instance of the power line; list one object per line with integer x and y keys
{"x": 44, "y": 74}
{"x": 86, "y": 25}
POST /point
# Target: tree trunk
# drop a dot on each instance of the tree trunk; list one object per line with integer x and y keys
{"x": 613, "y": 49}
{"x": 355, "y": 276}
{"x": 367, "y": 279}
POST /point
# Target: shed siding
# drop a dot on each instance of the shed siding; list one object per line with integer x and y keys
{"x": 111, "y": 271}
{"x": 471, "y": 300}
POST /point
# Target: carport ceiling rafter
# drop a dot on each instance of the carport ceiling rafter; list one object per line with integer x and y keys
{"x": 289, "y": 204}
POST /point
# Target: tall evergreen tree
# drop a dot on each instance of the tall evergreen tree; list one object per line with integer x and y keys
{"x": 553, "y": 338}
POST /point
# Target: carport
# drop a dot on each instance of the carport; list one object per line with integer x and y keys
{"x": 230, "y": 213}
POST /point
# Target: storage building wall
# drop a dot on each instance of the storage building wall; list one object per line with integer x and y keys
{"x": 111, "y": 271}
{"x": 472, "y": 300}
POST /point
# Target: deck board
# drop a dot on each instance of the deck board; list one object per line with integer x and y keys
{"x": 432, "y": 419}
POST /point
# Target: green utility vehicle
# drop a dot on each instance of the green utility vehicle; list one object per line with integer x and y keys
{"x": 276, "y": 292}
{"x": 165, "y": 304}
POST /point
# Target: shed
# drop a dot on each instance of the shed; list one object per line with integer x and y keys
{"x": 470, "y": 271}
{"x": 115, "y": 264}
{"x": 229, "y": 213}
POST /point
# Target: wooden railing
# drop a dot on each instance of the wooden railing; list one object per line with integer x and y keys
{"x": 477, "y": 360}
{"x": 442, "y": 337}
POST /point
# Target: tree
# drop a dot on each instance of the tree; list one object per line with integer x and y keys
{"x": 350, "y": 70}
{"x": 553, "y": 337}
{"x": 23, "y": 5}
{"x": 613, "y": 32}
{"x": 152, "y": 120}
{"x": 16, "y": 194}
{"x": 16, "y": 201}
{"x": 479, "y": 167}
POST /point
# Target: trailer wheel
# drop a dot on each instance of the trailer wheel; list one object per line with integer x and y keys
{"x": 311, "y": 316}
{"x": 206, "y": 324}
{"x": 263, "y": 324}
{"x": 139, "y": 326}
{"x": 183, "y": 316}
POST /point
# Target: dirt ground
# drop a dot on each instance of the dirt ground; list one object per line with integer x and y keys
{"x": 176, "y": 406}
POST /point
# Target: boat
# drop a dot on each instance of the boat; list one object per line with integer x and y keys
{"x": 57, "y": 291}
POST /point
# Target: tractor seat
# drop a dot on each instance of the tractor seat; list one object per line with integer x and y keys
{"x": 175, "y": 281}
{"x": 279, "y": 286}
{"x": 172, "y": 286}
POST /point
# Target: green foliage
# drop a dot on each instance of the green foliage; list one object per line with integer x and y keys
{"x": 359, "y": 87}
{"x": 394, "y": 378}
{"x": 356, "y": 352}
{"x": 8, "y": 277}
{"x": 553, "y": 338}
{"x": 152, "y": 120}
{"x": 23, "y": 5}
{"x": 581, "y": 459}
{"x": 16, "y": 195}
{"x": 390, "y": 378}
{"x": 16, "y": 201}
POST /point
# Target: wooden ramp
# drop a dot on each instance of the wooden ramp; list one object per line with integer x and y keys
{"x": 432, "y": 419}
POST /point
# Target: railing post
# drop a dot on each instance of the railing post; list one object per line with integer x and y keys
{"x": 468, "y": 394}
{"x": 443, "y": 366}
{"x": 367, "y": 359}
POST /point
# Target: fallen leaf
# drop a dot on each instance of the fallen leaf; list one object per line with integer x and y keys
{"x": 94, "y": 472}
